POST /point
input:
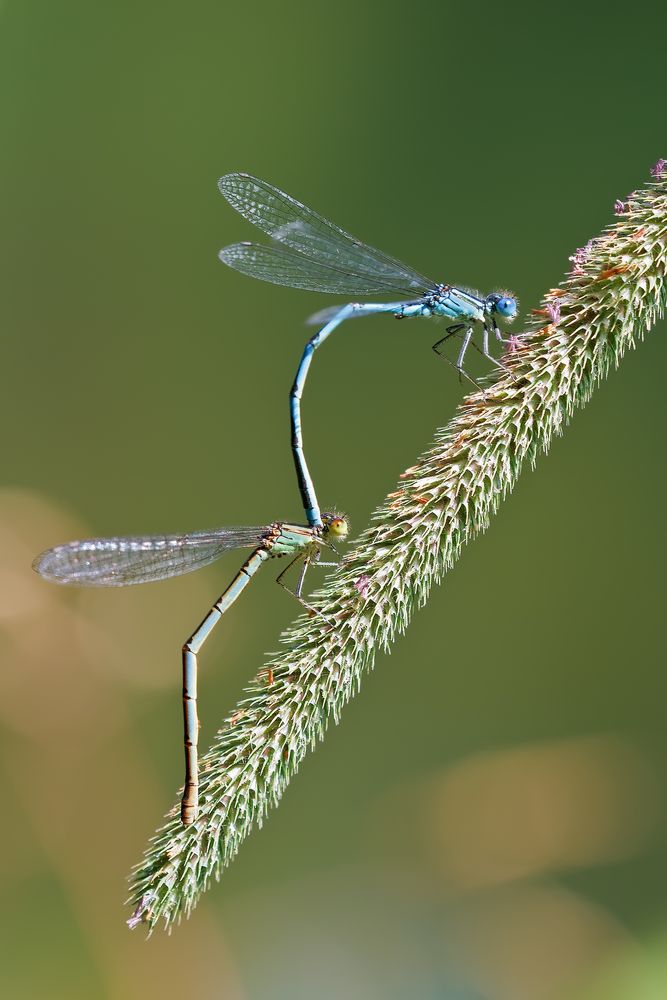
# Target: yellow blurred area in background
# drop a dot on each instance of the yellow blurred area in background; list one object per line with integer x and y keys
{"x": 539, "y": 808}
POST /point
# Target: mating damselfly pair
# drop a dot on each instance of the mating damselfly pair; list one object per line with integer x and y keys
{"x": 307, "y": 252}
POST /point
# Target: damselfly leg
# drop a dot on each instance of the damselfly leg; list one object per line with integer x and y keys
{"x": 458, "y": 365}
{"x": 307, "y": 561}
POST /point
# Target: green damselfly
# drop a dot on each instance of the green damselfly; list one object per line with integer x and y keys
{"x": 120, "y": 562}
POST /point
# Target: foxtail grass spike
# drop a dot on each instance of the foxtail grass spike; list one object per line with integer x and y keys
{"x": 614, "y": 293}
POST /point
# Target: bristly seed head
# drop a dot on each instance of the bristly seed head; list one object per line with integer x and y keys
{"x": 513, "y": 344}
{"x": 615, "y": 293}
{"x": 142, "y": 911}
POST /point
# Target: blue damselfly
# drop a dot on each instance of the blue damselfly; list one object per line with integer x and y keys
{"x": 311, "y": 253}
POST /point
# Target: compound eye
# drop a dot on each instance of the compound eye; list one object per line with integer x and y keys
{"x": 338, "y": 527}
{"x": 506, "y": 306}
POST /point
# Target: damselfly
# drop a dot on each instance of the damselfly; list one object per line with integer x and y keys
{"x": 311, "y": 253}
{"x": 119, "y": 562}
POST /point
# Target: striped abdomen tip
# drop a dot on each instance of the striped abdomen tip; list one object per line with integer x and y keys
{"x": 189, "y": 809}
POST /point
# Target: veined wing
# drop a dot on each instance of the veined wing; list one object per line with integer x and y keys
{"x": 289, "y": 222}
{"x": 119, "y": 562}
{"x": 282, "y": 266}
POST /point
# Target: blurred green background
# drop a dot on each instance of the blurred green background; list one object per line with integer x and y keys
{"x": 488, "y": 820}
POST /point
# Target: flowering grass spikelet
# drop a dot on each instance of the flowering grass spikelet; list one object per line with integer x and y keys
{"x": 614, "y": 293}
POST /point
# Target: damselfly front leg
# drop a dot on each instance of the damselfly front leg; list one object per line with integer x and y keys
{"x": 487, "y": 353}
{"x": 299, "y": 586}
{"x": 320, "y": 562}
{"x": 451, "y": 331}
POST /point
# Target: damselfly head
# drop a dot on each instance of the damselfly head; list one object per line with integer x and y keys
{"x": 335, "y": 525}
{"x": 502, "y": 304}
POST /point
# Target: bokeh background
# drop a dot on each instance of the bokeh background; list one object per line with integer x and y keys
{"x": 488, "y": 820}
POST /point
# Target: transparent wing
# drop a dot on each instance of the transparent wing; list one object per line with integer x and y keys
{"x": 289, "y": 222}
{"x": 283, "y": 266}
{"x": 119, "y": 562}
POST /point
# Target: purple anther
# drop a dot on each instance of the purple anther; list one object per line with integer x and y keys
{"x": 579, "y": 258}
{"x": 552, "y": 310}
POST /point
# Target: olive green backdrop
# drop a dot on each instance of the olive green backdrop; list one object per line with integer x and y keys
{"x": 487, "y": 822}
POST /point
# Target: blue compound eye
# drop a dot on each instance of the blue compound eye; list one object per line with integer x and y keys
{"x": 506, "y": 306}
